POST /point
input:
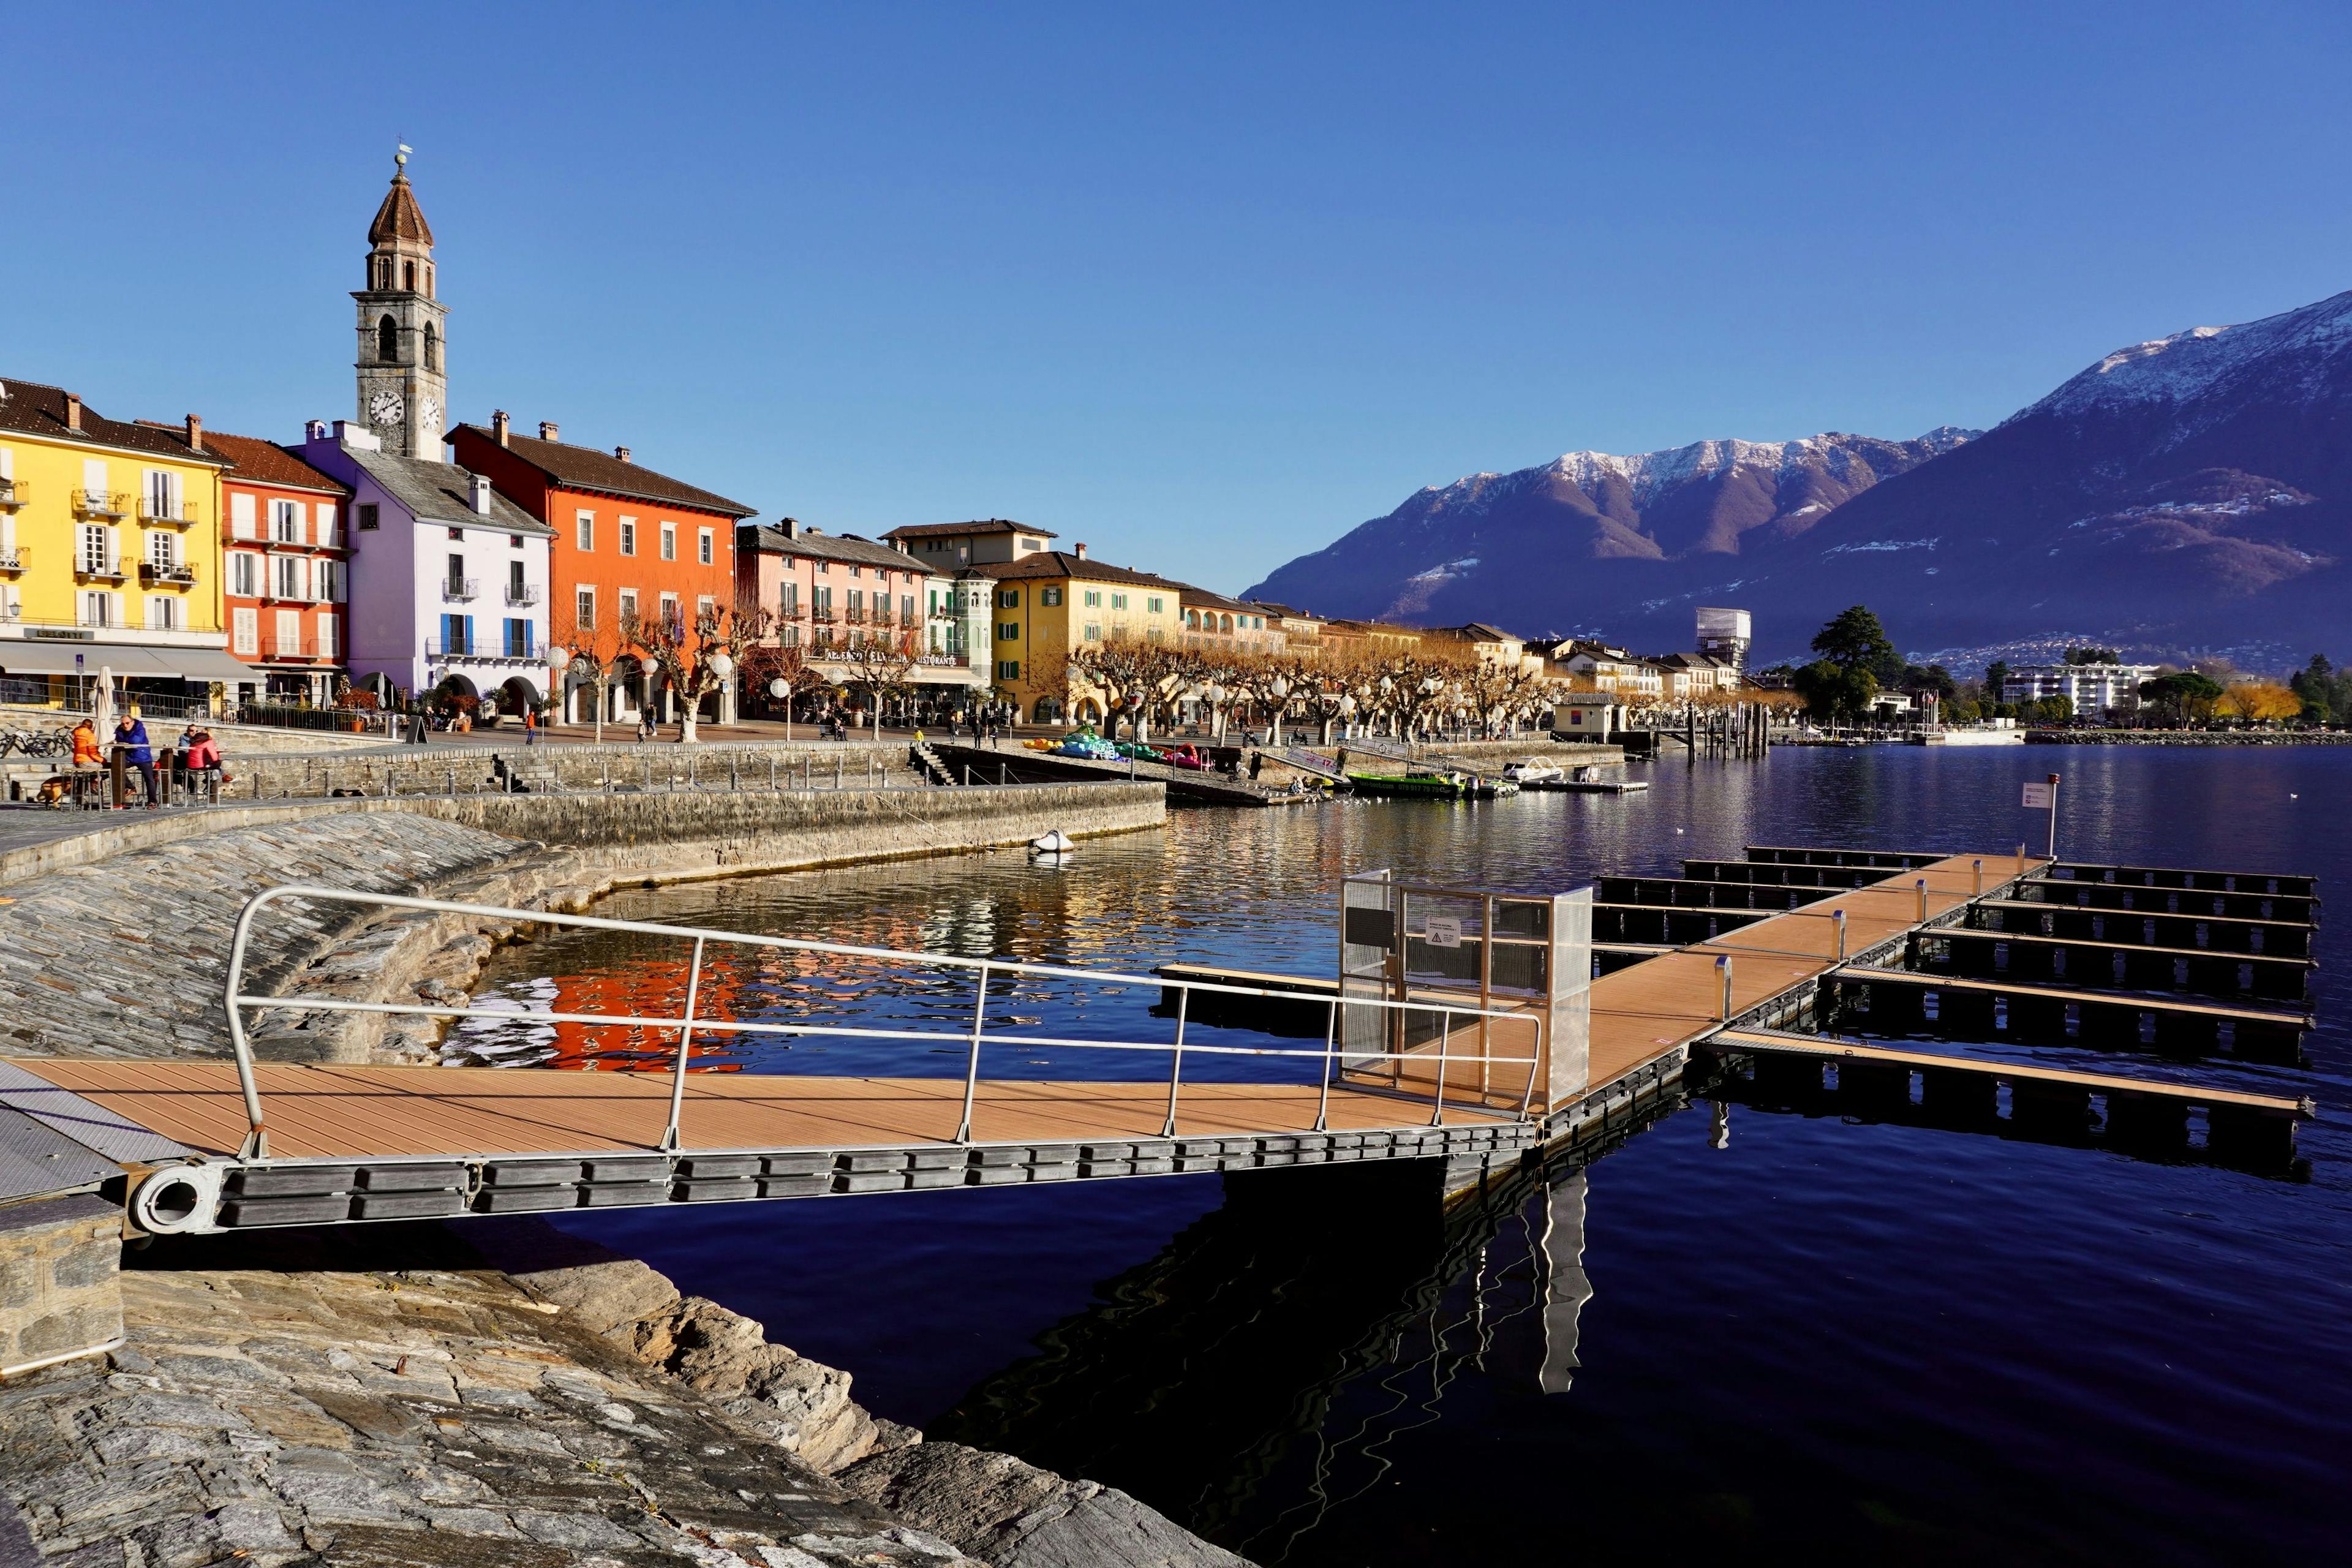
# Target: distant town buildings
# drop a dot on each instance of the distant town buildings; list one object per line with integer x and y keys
{"x": 2094, "y": 688}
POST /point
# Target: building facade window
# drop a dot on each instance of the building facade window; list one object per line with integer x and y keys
{"x": 286, "y": 521}
{"x": 1049, "y": 596}
{"x": 245, "y": 575}
{"x": 1008, "y": 631}
{"x": 162, "y": 613}
{"x": 583, "y": 609}
{"x": 240, "y": 516}
{"x": 628, "y": 606}
{"x": 629, "y": 536}
{"x": 669, "y": 542}
{"x": 584, "y": 534}
{"x": 97, "y": 609}
{"x": 244, "y": 630}
{"x": 669, "y": 615}
{"x": 1093, "y": 632}
{"x": 96, "y": 554}
{"x": 1118, "y": 601}
{"x": 788, "y": 602}
{"x": 387, "y": 341}
{"x": 519, "y": 639}
{"x": 290, "y": 577}
{"x": 705, "y": 547}
{"x": 1093, "y": 598}
{"x": 1008, "y": 669}
{"x": 370, "y": 516}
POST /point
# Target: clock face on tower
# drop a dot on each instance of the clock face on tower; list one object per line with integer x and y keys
{"x": 386, "y": 407}
{"x": 428, "y": 415}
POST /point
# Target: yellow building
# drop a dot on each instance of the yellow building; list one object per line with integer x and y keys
{"x": 1047, "y": 603}
{"x": 110, "y": 550}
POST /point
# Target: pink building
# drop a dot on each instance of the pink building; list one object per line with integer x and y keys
{"x": 832, "y": 595}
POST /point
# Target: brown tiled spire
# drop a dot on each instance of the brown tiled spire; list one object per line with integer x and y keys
{"x": 400, "y": 218}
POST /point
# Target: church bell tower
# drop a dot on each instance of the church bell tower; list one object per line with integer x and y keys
{"x": 402, "y": 380}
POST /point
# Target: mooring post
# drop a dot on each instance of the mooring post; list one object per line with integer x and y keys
{"x": 1922, "y": 884}
{"x": 453, "y": 783}
{"x": 772, "y": 772}
{"x": 1323, "y": 1097}
{"x": 1839, "y": 915}
{"x": 1723, "y": 973}
{"x": 836, "y": 770}
{"x": 1444, "y": 1038}
{"x": 1978, "y": 867}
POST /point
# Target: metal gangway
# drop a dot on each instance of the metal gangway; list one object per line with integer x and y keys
{"x": 213, "y": 1144}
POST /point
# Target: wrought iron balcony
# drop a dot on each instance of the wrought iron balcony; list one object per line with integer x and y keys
{"x": 177, "y": 572}
{"x": 523, "y": 592}
{"x": 15, "y": 558}
{"x": 100, "y": 571}
{"x": 462, "y": 589}
{"x": 102, "y": 504}
{"x": 156, "y": 513}
{"x": 489, "y": 648}
{"x": 289, "y": 648}
{"x": 14, "y": 493}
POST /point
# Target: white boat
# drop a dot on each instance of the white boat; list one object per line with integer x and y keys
{"x": 1533, "y": 770}
{"x": 1056, "y": 843}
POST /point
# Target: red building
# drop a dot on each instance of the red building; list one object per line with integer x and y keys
{"x": 629, "y": 544}
{"x": 283, "y": 569}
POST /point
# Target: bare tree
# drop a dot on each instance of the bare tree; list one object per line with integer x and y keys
{"x": 596, "y": 647}
{"x": 696, "y": 660}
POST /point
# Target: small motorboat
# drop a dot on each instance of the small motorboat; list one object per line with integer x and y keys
{"x": 1052, "y": 846}
{"x": 1533, "y": 770}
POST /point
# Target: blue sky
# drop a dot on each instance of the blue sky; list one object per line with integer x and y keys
{"x": 1203, "y": 287}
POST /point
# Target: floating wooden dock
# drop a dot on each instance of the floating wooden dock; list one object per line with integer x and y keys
{"x": 376, "y": 1143}
{"x": 2028, "y": 1076}
{"x": 1897, "y": 1001}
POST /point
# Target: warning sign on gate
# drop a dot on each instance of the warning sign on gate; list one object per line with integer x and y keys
{"x": 2038, "y": 796}
{"x": 1444, "y": 931}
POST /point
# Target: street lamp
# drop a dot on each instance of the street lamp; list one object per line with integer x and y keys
{"x": 1280, "y": 690}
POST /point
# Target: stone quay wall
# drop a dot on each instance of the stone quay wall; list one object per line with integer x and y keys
{"x": 2188, "y": 737}
{"x": 119, "y": 947}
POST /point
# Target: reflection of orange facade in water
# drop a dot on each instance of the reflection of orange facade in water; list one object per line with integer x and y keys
{"x": 655, "y": 987}
{"x": 647, "y": 988}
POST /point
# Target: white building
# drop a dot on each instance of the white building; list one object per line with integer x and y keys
{"x": 2094, "y": 688}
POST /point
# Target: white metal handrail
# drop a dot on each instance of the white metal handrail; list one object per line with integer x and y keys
{"x": 687, "y": 1024}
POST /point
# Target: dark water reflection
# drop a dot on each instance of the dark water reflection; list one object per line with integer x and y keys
{"x": 1830, "y": 1338}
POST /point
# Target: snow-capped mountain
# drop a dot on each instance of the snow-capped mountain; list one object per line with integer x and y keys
{"x": 1715, "y": 498}
{"x": 2190, "y": 492}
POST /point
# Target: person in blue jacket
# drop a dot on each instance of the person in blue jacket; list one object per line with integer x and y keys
{"x": 131, "y": 732}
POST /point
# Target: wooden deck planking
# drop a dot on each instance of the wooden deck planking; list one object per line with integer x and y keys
{"x": 346, "y": 1112}
{"x": 1642, "y": 1013}
{"x": 1830, "y": 1048}
{"x": 1921, "y": 980}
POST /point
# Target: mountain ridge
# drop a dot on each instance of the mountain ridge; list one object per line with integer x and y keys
{"x": 2178, "y": 493}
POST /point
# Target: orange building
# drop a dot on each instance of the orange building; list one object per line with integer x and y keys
{"x": 283, "y": 577}
{"x": 629, "y": 542}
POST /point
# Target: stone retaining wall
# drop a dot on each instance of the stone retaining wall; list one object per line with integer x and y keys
{"x": 2188, "y": 737}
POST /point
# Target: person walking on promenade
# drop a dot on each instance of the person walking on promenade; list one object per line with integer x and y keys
{"x": 644, "y": 728}
{"x": 529, "y": 725}
{"x": 130, "y": 733}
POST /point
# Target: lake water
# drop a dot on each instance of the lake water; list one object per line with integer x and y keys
{"x": 1827, "y": 1339}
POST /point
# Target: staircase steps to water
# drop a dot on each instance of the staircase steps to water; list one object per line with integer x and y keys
{"x": 925, "y": 762}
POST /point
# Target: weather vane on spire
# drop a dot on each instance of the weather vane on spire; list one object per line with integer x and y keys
{"x": 400, "y": 158}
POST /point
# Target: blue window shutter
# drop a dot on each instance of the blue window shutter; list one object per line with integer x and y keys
{"x": 470, "y": 633}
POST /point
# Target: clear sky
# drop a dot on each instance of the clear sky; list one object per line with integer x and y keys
{"x": 1203, "y": 287}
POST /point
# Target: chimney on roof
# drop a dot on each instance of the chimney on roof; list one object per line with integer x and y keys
{"x": 195, "y": 434}
{"x": 499, "y": 426}
{"x": 315, "y": 431}
{"x": 790, "y": 528}
{"x": 73, "y": 412}
{"x": 620, "y": 452}
{"x": 1079, "y": 550}
{"x": 547, "y": 430}
{"x": 478, "y": 494}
